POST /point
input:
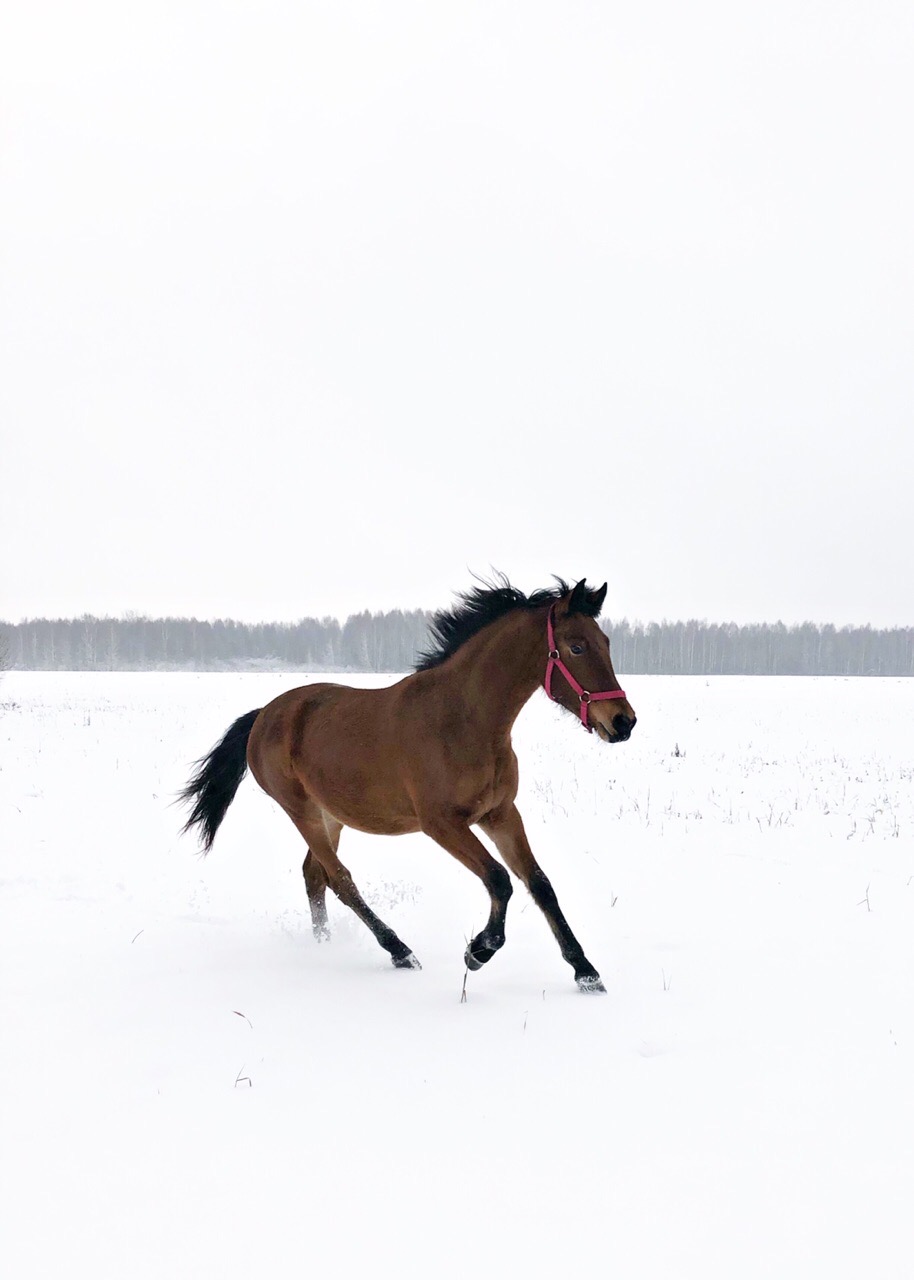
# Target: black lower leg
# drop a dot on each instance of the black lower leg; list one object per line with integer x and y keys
{"x": 399, "y": 952}
{"x": 543, "y": 895}
{"x": 316, "y": 886}
{"x": 492, "y": 938}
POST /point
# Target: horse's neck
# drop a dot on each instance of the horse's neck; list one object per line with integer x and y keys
{"x": 499, "y": 669}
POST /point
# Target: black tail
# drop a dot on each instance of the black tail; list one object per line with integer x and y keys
{"x": 212, "y": 788}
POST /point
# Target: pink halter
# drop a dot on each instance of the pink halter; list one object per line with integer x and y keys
{"x": 556, "y": 661}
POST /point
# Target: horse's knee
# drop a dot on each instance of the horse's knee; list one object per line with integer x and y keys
{"x": 541, "y": 890}
{"x": 499, "y": 885}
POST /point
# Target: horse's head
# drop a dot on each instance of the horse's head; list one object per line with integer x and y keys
{"x": 579, "y": 674}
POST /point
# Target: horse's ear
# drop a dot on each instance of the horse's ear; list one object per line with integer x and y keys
{"x": 578, "y": 601}
{"x": 597, "y": 598}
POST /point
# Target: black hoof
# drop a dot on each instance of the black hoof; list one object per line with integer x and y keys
{"x": 408, "y": 961}
{"x": 476, "y": 957}
{"x": 590, "y": 982}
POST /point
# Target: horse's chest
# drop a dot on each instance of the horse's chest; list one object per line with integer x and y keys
{"x": 485, "y": 788}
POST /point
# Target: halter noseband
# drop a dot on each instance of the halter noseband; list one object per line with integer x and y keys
{"x": 556, "y": 661}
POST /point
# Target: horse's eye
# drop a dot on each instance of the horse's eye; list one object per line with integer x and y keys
{"x": 576, "y": 649}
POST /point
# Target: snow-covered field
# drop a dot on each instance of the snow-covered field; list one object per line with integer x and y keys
{"x": 192, "y": 1087}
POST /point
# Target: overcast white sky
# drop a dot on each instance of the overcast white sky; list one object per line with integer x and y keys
{"x": 314, "y": 307}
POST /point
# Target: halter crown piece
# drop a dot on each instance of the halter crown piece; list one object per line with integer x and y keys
{"x": 556, "y": 661}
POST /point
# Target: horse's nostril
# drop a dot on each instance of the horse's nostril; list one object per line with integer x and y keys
{"x": 623, "y": 724}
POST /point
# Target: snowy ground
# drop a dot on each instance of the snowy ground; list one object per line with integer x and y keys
{"x": 191, "y": 1086}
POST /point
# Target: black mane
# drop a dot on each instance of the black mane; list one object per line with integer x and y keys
{"x": 451, "y": 628}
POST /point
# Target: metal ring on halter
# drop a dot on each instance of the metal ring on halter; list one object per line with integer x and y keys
{"x": 585, "y": 696}
{"x": 553, "y": 654}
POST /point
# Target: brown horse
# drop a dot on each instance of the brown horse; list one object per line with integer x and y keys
{"x": 430, "y": 753}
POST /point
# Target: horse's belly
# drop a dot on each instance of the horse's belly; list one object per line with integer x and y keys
{"x": 362, "y": 804}
{"x": 378, "y": 825}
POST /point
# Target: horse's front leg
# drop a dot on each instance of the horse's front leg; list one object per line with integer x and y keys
{"x": 506, "y": 830}
{"x": 455, "y": 836}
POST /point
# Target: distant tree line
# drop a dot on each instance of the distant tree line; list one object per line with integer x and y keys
{"x": 769, "y": 649}
{"x": 365, "y": 642}
{"x": 391, "y": 642}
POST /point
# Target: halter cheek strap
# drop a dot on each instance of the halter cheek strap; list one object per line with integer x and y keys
{"x": 556, "y": 661}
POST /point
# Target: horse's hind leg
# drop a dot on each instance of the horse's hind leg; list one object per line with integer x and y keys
{"x": 316, "y": 885}
{"x": 323, "y": 836}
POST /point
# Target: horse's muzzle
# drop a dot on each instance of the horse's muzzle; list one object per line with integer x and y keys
{"x": 620, "y": 730}
{"x": 623, "y": 725}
